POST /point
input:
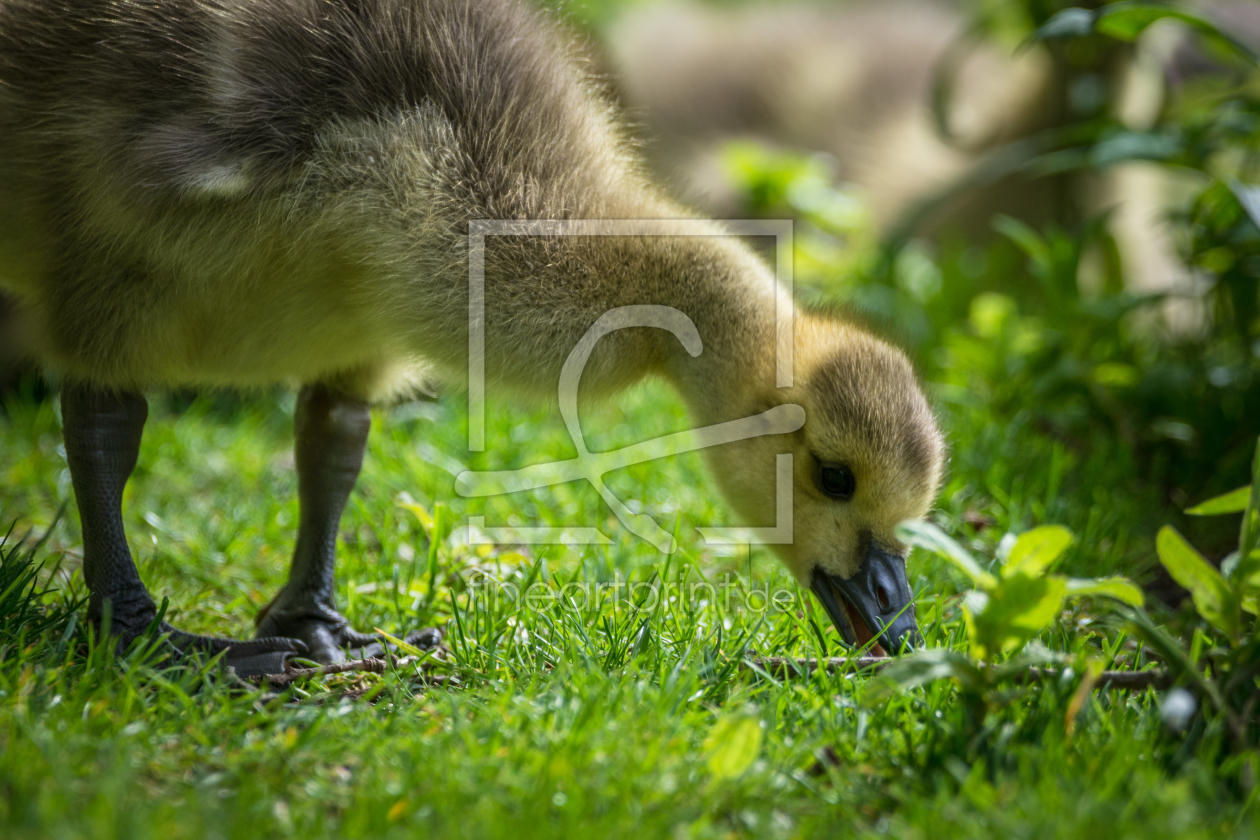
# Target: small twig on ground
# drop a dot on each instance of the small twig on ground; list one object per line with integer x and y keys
{"x": 371, "y": 665}
{"x": 779, "y": 667}
{"x": 782, "y": 666}
{"x": 282, "y": 681}
{"x": 1122, "y": 680}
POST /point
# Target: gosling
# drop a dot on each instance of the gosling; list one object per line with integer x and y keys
{"x": 235, "y": 193}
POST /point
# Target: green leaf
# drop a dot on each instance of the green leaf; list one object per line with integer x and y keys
{"x": 732, "y": 745}
{"x": 1018, "y": 609}
{"x": 924, "y": 667}
{"x": 1132, "y": 19}
{"x": 1035, "y": 550}
{"x": 1212, "y": 596}
{"x": 1122, "y": 589}
{"x": 1127, "y": 21}
{"x": 1069, "y": 23}
{"x": 1235, "y": 501}
{"x": 927, "y": 536}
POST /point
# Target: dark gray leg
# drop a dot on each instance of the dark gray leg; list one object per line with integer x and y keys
{"x": 102, "y": 434}
{"x": 331, "y": 431}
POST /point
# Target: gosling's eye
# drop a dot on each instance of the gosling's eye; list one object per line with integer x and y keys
{"x": 837, "y": 481}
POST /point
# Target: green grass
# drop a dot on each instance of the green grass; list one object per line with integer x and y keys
{"x": 624, "y": 717}
{"x": 559, "y": 720}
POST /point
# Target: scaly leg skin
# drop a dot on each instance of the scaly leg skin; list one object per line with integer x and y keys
{"x": 331, "y": 431}
{"x": 102, "y": 435}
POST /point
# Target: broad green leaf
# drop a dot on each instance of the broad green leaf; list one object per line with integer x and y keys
{"x": 1127, "y": 21}
{"x": 1031, "y": 603}
{"x": 732, "y": 745}
{"x": 1122, "y": 589}
{"x": 1235, "y": 501}
{"x": 1069, "y": 23}
{"x": 927, "y": 536}
{"x": 1016, "y": 610}
{"x": 1035, "y": 550}
{"x": 1132, "y": 19}
{"x": 1212, "y": 596}
{"x": 925, "y": 667}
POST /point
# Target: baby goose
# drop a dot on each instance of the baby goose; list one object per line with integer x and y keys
{"x": 241, "y": 192}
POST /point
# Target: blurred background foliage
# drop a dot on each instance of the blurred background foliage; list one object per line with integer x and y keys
{"x": 1054, "y": 209}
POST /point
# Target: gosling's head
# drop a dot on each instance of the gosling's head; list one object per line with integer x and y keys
{"x": 868, "y": 456}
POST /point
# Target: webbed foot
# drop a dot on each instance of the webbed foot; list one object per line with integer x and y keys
{"x": 331, "y": 429}
{"x": 102, "y": 434}
{"x": 327, "y": 634}
{"x": 251, "y": 657}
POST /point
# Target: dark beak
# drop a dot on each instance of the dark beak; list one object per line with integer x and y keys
{"x": 876, "y": 601}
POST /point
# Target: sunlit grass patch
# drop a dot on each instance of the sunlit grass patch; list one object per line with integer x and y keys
{"x": 563, "y": 715}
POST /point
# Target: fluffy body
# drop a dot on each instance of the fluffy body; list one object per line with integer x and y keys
{"x": 243, "y": 192}
{"x": 233, "y": 193}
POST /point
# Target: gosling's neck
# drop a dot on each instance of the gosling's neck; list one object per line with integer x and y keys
{"x": 730, "y": 296}
{"x": 735, "y": 302}
{"x": 543, "y": 293}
